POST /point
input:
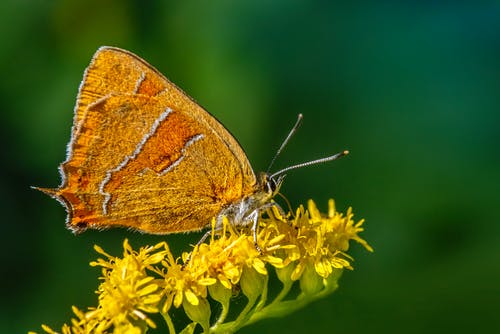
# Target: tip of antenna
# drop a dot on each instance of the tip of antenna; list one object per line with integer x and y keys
{"x": 345, "y": 152}
{"x": 300, "y": 116}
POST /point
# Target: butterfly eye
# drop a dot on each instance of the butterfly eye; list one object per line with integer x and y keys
{"x": 268, "y": 184}
{"x": 271, "y": 186}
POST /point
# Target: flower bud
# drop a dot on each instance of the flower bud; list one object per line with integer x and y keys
{"x": 198, "y": 313}
{"x": 220, "y": 293}
{"x": 285, "y": 274}
{"x": 310, "y": 282}
{"x": 252, "y": 283}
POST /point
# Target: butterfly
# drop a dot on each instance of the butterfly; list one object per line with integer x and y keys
{"x": 145, "y": 156}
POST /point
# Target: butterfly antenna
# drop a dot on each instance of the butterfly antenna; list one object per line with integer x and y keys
{"x": 308, "y": 163}
{"x": 287, "y": 139}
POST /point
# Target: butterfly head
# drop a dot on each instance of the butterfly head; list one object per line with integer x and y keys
{"x": 271, "y": 185}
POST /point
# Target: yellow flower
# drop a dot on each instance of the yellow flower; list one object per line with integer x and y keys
{"x": 217, "y": 258}
{"x": 311, "y": 238}
{"x": 81, "y": 325}
{"x": 181, "y": 284}
{"x": 308, "y": 247}
{"x": 128, "y": 293}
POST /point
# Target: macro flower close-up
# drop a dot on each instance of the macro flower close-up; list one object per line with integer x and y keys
{"x": 215, "y": 161}
{"x": 143, "y": 287}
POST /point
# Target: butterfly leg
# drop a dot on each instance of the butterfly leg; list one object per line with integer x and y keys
{"x": 202, "y": 240}
{"x": 205, "y": 236}
{"x": 254, "y": 217}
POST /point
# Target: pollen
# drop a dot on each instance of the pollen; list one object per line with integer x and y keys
{"x": 306, "y": 248}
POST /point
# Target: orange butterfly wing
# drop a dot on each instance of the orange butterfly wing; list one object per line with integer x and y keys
{"x": 144, "y": 155}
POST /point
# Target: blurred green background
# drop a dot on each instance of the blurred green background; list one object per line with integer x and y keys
{"x": 411, "y": 88}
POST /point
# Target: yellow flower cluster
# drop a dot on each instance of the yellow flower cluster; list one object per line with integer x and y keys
{"x": 307, "y": 247}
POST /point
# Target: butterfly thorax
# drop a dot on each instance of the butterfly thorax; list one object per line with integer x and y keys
{"x": 244, "y": 211}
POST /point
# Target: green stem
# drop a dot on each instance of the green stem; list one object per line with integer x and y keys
{"x": 263, "y": 296}
{"x": 278, "y": 308}
{"x": 170, "y": 324}
{"x": 244, "y": 313}
{"x": 222, "y": 317}
{"x": 240, "y": 321}
{"x": 286, "y": 289}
